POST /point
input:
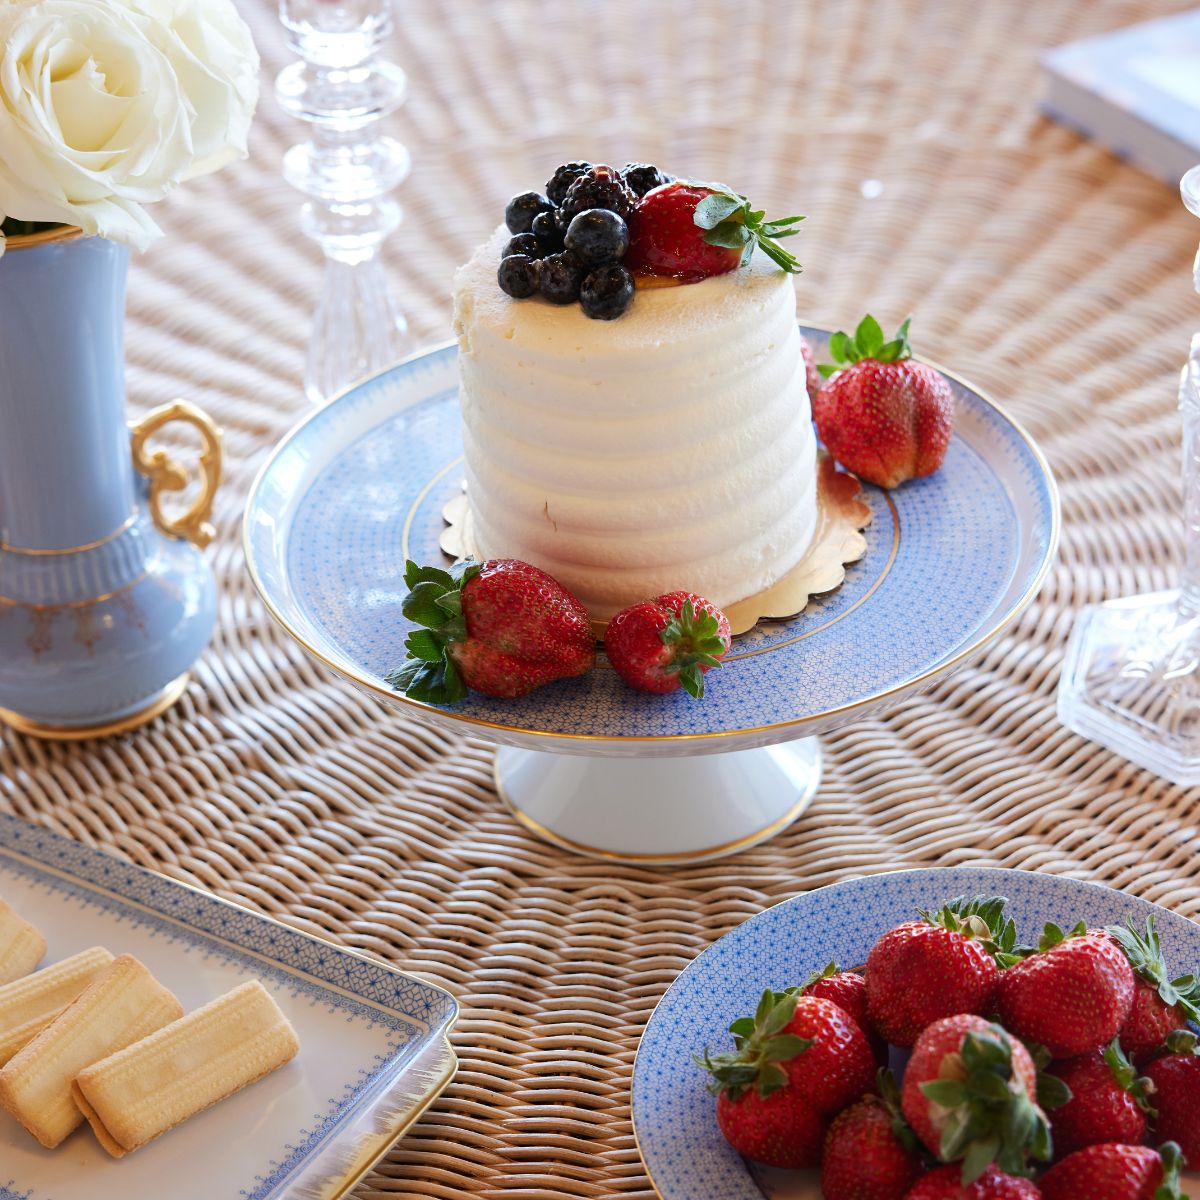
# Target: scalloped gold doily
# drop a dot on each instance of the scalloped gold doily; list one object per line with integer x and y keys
{"x": 837, "y": 542}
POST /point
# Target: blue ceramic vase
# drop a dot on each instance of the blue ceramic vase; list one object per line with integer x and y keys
{"x": 105, "y": 600}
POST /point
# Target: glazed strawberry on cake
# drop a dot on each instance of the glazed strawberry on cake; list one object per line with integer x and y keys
{"x": 635, "y": 411}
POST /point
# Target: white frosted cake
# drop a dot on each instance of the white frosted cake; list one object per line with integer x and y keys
{"x": 670, "y": 449}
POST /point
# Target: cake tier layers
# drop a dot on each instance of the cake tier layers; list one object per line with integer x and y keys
{"x": 672, "y": 448}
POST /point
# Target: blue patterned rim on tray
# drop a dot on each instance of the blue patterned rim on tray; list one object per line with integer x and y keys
{"x": 361, "y": 483}
{"x": 415, "y": 1016}
{"x": 675, "y": 1116}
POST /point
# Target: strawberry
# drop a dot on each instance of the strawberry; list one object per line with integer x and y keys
{"x": 1160, "y": 1003}
{"x": 1072, "y": 996}
{"x": 801, "y": 1047}
{"x": 1176, "y": 1080}
{"x": 882, "y": 415}
{"x": 1108, "y": 1102}
{"x": 502, "y": 627}
{"x": 848, "y": 990}
{"x": 812, "y": 377}
{"x": 801, "y": 1041}
{"x": 693, "y": 230}
{"x": 870, "y": 1153}
{"x": 970, "y": 1093}
{"x": 1112, "y": 1171}
{"x": 666, "y": 643}
{"x": 945, "y": 1183}
{"x": 936, "y": 967}
{"x": 780, "y": 1129}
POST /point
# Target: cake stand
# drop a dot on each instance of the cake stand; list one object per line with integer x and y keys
{"x": 361, "y": 483}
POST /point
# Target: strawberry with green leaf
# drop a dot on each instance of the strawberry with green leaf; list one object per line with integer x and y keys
{"x": 939, "y": 966}
{"x": 881, "y": 414}
{"x": 690, "y": 231}
{"x": 971, "y": 1095}
{"x": 795, "y": 1063}
{"x": 1160, "y": 1004}
{"x": 502, "y": 627}
{"x": 669, "y": 642}
{"x": 870, "y": 1152}
{"x": 1109, "y": 1101}
{"x": 1072, "y": 995}
{"x": 1175, "y": 1078}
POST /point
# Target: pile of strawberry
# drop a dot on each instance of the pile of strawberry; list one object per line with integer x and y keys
{"x": 1072, "y": 1062}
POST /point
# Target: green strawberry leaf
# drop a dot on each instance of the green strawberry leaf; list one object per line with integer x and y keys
{"x": 1144, "y": 951}
{"x": 867, "y": 342}
{"x": 714, "y": 209}
{"x": 868, "y": 337}
{"x": 1052, "y": 1092}
{"x": 414, "y": 573}
{"x": 424, "y": 645}
{"x": 730, "y": 222}
{"x": 760, "y": 1045}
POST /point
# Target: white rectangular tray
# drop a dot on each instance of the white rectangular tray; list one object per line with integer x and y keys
{"x": 373, "y": 1040}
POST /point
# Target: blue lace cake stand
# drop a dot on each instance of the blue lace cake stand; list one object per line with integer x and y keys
{"x": 361, "y": 483}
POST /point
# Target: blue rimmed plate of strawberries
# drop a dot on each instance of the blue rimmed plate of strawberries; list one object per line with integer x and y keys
{"x": 954, "y": 1034}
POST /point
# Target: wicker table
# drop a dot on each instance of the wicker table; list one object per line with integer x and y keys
{"x": 1036, "y": 265}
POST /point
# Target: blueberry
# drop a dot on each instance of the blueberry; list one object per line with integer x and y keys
{"x": 521, "y": 210}
{"x": 642, "y": 177}
{"x": 560, "y": 277}
{"x": 563, "y": 177}
{"x": 597, "y": 235}
{"x": 606, "y": 292}
{"x": 546, "y": 229}
{"x": 518, "y": 276}
{"x": 524, "y": 243}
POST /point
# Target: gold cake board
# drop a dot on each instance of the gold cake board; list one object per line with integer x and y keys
{"x": 837, "y": 542}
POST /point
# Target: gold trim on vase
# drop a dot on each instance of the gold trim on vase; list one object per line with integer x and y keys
{"x": 78, "y": 733}
{"x": 397, "y": 699}
{"x": 43, "y": 237}
{"x": 166, "y": 475}
{"x": 38, "y": 552}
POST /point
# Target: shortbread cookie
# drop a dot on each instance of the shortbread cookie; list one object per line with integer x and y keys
{"x": 21, "y": 946}
{"x": 28, "y": 1005}
{"x": 185, "y": 1067}
{"x": 120, "y": 1006}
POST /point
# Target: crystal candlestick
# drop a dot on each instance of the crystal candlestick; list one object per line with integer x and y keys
{"x": 1131, "y": 680}
{"x": 346, "y": 168}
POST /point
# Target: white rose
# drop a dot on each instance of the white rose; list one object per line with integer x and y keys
{"x": 92, "y": 119}
{"x": 215, "y": 61}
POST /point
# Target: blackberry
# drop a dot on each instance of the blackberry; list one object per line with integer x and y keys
{"x": 546, "y": 229}
{"x": 518, "y": 276}
{"x": 560, "y": 277}
{"x": 606, "y": 292}
{"x": 599, "y": 187}
{"x": 521, "y": 210}
{"x": 556, "y": 186}
{"x": 597, "y": 235}
{"x": 524, "y": 243}
{"x": 642, "y": 177}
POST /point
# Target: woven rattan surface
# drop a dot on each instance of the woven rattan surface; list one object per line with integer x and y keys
{"x": 1036, "y": 264}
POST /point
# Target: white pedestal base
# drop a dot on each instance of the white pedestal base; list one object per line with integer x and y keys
{"x": 659, "y": 810}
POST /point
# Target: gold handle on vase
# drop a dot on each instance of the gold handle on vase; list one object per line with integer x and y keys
{"x": 166, "y": 475}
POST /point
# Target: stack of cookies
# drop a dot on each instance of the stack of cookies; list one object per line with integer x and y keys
{"x": 97, "y": 1037}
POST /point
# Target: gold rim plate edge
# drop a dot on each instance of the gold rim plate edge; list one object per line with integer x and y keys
{"x": 429, "y": 711}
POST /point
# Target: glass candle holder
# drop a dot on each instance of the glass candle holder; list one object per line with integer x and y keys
{"x": 347, "y": 168}
{"x": 1131, "y": 679}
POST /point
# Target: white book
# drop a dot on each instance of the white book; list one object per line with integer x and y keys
{"x": 1136, "y": 90}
